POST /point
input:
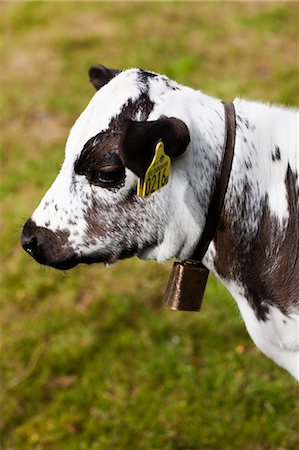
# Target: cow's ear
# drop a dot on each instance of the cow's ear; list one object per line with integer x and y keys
{"x": 140, "y": 139}
{"x": 101, "y": 75}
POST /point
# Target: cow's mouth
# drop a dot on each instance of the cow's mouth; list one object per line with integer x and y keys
{"x": 75, "y": 260}
{"x": 52, "y": 249}
{"x": 107, "y": 259}
{"x": 64, "y": 265}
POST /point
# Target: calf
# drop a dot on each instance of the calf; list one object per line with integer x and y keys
{"x": 91, "y": 213}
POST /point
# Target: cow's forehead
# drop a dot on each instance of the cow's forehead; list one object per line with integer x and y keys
{"x": 109, "y": 102}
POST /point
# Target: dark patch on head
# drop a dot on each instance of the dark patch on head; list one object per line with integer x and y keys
{"x": 99, "y": 151}
{"x": 266, "y": 263}
{"x": 103, "y": 149}
{"x": 144, "y": 76}
{"x": 109, "y": 146}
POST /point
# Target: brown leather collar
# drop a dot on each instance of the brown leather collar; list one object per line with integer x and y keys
{"x": 188, "y": 279}
{"x": 217, "y": 198}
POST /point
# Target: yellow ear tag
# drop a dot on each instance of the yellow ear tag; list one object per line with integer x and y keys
{"x": 157, "y": 175}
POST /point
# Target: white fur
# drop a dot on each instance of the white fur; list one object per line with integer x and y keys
{"x": 278, "y": 337}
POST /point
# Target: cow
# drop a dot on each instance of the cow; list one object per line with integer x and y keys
{"x": 92, "y": 212}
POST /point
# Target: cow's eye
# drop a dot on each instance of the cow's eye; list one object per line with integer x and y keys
{"x": 109, "y": 176}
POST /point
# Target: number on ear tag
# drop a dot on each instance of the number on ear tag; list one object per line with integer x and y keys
{"x": 157, "y": 175}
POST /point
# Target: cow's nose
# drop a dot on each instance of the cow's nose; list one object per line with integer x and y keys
{"x": 29, "y": 244}
{"x": 46, "y": 246}
{"x": 29, "y": 238}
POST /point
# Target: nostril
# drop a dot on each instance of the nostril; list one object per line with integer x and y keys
{"x": 29, "y": 244}
{"x": 29, "y": 237}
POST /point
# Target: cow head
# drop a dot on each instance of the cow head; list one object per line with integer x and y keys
{"x": 91, "y": 213}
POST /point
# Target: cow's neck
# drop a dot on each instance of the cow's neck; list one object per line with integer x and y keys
{"x": 247, "y": 249}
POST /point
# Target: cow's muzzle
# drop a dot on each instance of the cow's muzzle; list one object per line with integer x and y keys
{"x": 48, "y": 247}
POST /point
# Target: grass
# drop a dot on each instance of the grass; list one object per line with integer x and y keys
{"x": 90, "y": 358}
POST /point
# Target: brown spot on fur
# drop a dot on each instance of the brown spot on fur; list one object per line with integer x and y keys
{"x": 276, "y": 156}
{"x": 265, "y": 263}
{"x": 125, "y": 226}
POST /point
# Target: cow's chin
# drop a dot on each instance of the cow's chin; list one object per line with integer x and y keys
{"x": 99, "y": 257}
{"x": 64, "y": 265}
{"x": 73, "y": 261}
{"x": 70, "y": 263}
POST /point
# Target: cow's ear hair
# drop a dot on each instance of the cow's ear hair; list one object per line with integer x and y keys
{"x": 140, "y": 138}
{"x": 101, "y": 75}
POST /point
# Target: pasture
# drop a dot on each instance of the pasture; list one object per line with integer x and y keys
{"x": 90, "y": 358}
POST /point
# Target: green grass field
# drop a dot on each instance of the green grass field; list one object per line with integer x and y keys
{"x": 91, "y": 359}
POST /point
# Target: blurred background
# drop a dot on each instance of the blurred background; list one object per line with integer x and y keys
{"x": 90, "y": 358}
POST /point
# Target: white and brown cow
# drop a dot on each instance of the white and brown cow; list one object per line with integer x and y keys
{"x": 91, "y": 213}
